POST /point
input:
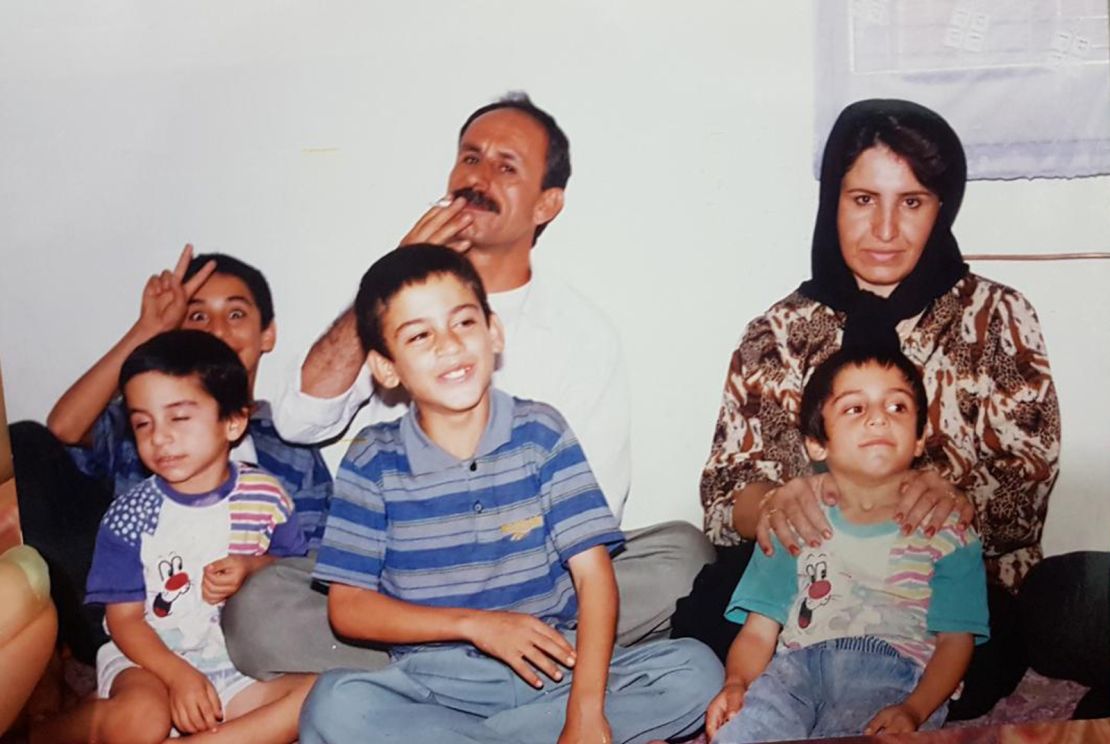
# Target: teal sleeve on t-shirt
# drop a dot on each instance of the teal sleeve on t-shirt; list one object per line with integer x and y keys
{"x": 959, "y": 601}
{"x": 768, "y": 586}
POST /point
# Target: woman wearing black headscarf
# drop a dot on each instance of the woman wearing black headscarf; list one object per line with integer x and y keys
{"x": 887, "y": 270}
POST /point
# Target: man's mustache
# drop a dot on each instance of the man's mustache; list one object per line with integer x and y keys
{"x": 478, "y": 199}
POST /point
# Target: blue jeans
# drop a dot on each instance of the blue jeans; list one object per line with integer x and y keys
{"x": 656, "y": 690}
{"x": 828, "y": 689}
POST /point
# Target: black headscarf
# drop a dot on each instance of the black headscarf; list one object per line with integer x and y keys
{"x": 907, "y": 129}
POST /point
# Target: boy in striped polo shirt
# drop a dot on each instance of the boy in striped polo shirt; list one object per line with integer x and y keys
{"x": 471, "y": 538}
{"x": 173, "y": 548}
{"x": 874, "y": 628}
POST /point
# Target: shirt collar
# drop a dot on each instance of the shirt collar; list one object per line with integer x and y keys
{"x": 201, "y": 499}
{"x": 425, "y": 456}
{"x": 524, "y": 304}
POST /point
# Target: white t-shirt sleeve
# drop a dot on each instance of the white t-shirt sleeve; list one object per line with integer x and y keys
{"x": 304, "y": 419}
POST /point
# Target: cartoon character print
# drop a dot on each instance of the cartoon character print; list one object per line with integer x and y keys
{"x": 816, "y": 589}
{"x": 175, "y": 582}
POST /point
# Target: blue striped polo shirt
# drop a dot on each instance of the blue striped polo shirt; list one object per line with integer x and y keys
{"x": 492, "y": 532}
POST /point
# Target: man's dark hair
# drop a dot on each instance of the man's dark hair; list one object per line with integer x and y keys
{"x": 401, "y": 268}
{"x": 252, "y": 277}
{"x": 185, "y": 353}
{"x": 556, "y": 171}
{"x": 820, "y": 386}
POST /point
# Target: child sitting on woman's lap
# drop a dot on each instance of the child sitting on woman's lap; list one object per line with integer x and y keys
{"x": 872, "y": 631}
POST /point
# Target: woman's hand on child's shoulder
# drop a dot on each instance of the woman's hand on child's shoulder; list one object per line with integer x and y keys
{"x": 895, "y": 719}
{"x": 928, "y": 500}
{"x": 792, "y": 512}
{"x": 724, "y": 706}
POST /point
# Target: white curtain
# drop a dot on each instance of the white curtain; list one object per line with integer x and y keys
{"x": 1025, "y": 83}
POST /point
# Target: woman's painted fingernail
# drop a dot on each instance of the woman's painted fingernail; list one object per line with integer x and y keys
{"x": 813, "y": 543}
{"x": 794, "y": 551}
{"x": 827, "y": 534}
{"x": 906, "y": 529}
{"x": 898, "y": 517}
{"x": 930, "y": 531}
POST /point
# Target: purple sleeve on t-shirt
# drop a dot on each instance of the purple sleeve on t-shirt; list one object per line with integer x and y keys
{"x": 116, "y": 574}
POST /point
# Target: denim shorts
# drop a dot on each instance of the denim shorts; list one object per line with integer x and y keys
{"x": 833, "y": 688}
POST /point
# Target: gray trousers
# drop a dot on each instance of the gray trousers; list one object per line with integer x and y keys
{"x": 278, "y": 623}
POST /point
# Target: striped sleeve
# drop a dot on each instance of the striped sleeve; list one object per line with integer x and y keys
{"x": 259, "y": 505}
{"x": 353, "y": 548}
{"x": 301, "y": 470}
{"x": 112, "y": 454}
{"x": 578, "y": 517}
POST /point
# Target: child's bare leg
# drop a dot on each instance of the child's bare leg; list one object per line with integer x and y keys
{"x": 138, "y": 712}
{"x": 265, "y": 712}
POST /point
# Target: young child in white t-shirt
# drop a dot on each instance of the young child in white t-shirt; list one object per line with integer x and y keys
{"x": 173, "y": 548}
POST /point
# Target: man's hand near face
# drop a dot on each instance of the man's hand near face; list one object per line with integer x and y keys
{"x": 443, "y": 224}
{"x": 336, "y": 359}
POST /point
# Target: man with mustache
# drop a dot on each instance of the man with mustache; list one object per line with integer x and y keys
{"x": 506, "y": 185}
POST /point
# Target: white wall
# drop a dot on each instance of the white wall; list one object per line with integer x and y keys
{"x": 307, "y": 137}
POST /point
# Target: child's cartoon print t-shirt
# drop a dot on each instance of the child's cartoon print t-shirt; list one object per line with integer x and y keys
{"x": 154, "y": 543}
{"x": 870, "y": 580}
